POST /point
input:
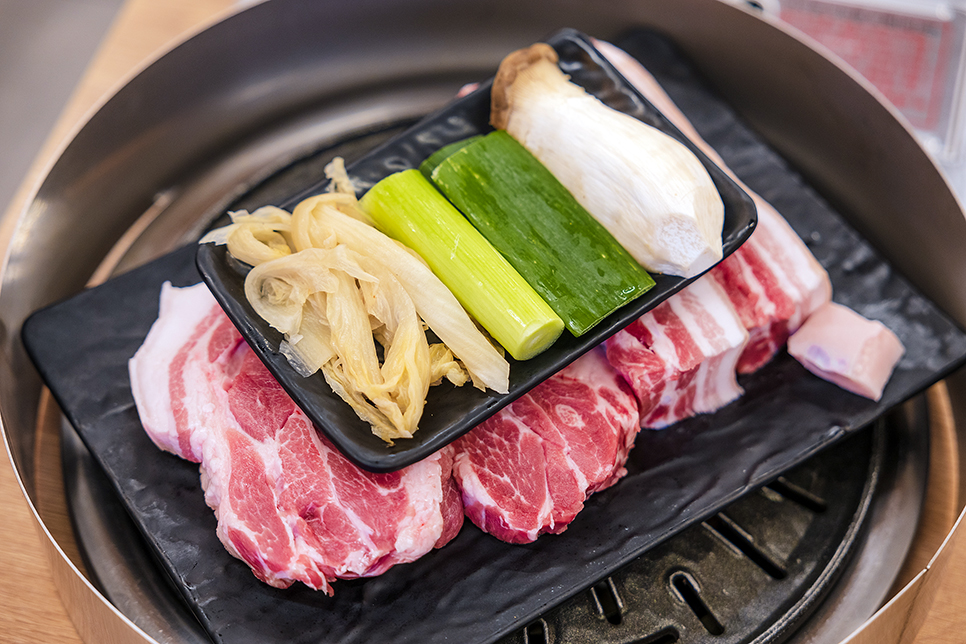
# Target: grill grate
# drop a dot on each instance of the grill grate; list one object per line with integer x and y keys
{"x": 750, "y": 573}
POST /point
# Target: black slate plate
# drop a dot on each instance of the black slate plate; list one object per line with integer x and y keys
{"x": 450, "y": 411}
{"x": 477, "y": 589}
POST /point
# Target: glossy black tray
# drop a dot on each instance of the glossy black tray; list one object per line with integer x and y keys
{"x": 477, "y": 588}
{"x": 451, "y": 411}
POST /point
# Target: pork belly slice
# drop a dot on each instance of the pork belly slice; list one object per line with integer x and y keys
{"x": 680, "y": 357}
{"x": 841, "y": 346}
{"x": 287, "y": 502}
{"x": 528, "y": 469}
{"x": 775, "y": 284}
{"x": 773, "y": 280}
{"x": 168, "y": 387}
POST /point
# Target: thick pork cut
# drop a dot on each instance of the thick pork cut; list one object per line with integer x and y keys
{"x": 843, "y": 347}
{"x": 288, "y": 503}
{"x": 528, "y": 469}
{"x": 680, "y": 357}
{"x": 773, "y": 280}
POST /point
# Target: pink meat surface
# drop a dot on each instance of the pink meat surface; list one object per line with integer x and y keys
{"x": 287, "y": 503}
{"x": 680, "y": 357}
{"x": 839, "y": 345}
{"x": 528, "y": 469}
{"x": 773, "y": 281}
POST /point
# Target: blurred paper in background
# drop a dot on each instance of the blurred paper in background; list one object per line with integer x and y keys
{"x": 911, "y": 50}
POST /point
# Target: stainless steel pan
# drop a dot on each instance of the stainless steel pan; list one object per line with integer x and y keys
{"x": 284, "y": 77}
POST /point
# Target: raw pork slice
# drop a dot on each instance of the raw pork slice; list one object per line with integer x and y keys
{"x": 839, "y": 345}
{"x": 528, "y": 469}
{"x": 774, "y": 283}
{"x": 288, "y": 503}
{"x": 680, "y": 357}
{"x": 772, "y": 280}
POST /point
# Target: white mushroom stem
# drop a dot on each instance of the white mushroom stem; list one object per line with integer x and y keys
{"x": 648, "y": 189}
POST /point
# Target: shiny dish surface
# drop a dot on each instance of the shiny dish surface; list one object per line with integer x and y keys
{"x": 450, "y": 411}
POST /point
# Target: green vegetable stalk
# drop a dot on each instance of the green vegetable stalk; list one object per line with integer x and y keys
{"x": 569, "y": 258}
{"x": 408, "y": 208}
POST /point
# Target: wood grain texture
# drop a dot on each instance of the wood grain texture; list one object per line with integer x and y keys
{"x": 37, "y": 615}
{"x": 30, "y": 608}
{"x": 945, "y": 620}
{"x": 942, "y": 503}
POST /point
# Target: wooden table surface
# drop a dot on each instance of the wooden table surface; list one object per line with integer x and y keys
{"x": 30, "y": 608}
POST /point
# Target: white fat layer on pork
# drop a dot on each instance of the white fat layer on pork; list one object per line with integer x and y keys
{"x": 422, "y": 528}
{"x": 843, "y": 347}
{"x": 594, "y": 368}
{"x": 473, "y": 489}
{"x": 569, "y": 415}
{"x": 189, "y": 306}
{"x": 799, "y": 273}
{"x": 702, "y": 316}
{"x": 719, "y": 334}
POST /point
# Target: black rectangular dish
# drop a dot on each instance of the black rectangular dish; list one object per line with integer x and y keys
{"x": 477, "y": 589}
{"x": 451, "y": 411}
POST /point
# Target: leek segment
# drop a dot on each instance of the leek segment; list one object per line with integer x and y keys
{"x": 519, "y": 206}
{"x": 409, "y": 209}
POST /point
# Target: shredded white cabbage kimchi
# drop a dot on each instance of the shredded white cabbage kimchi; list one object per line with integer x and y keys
{"x": 335, "y": 286}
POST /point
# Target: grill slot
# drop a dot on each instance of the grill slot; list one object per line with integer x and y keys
{"x": 608, "y": 601}
{"x": 735, "y": 576}
{"x": 745, "y": 543}
{"x": 536, "y": 633}
{"x": 797, "y": 494}
{"x": 686, "y": 588}
{"x": 663, "y": 636}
